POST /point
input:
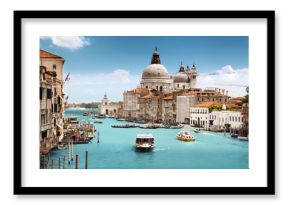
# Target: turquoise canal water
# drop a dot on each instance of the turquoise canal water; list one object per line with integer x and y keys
{"x": 116, "y": 149}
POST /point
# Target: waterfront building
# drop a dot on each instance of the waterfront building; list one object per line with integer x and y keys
{"x": 245, "y": 113}
{"x": 151, "y": 107}
{"x": 199, "y": 113}
{"x": 208, "y": 115}
{"x": 131, "y": 106}
{"x": 168, "y": 112}
{"x": 109, "y": 108}
{"x": 220, "y": 119}
{"x": 51, "y": 101}
{"x": 183, "y": 104}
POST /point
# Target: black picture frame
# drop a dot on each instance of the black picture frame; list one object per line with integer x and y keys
{"x": 269, "y": 16}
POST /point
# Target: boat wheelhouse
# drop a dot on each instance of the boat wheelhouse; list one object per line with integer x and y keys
{"x": 144, "y": 142}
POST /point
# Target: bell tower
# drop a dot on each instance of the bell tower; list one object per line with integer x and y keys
{"x": 193, "y": 74}
{"x": 105, "y": 100}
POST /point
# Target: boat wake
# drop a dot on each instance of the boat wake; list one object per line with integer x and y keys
{"x": 159, "y": 149}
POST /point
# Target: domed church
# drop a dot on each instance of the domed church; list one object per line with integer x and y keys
{"x": 185, "y": 79}
{"x": 155, "y": 75}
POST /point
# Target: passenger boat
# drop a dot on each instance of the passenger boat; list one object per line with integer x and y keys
{"x": 185, "y": 135}
{"x": 144, "y": 142}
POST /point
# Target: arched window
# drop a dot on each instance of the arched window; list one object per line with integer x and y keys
{"x": 160, "y": 88}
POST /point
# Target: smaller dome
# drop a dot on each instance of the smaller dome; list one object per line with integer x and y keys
{"x": 181, "y": 77}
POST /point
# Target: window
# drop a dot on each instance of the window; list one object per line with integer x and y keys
{"x": 43, "y": 119}
{"x": 40, "y": 93}
{"x": 54, "y": 67}
{"x": 44, "y": 134}
{"x": 183, "y": 86}
{"x": 178, "y": 85}
{"x": 49, "y": 94}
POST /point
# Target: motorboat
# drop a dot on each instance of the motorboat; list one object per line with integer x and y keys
{"x": 185, "y": 135}
{"x": 196, "y": 130}
{"x": 144, "y": 142}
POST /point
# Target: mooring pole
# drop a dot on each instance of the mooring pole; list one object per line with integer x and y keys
{"x": 72, "y": 150}
{"x": 68, "y": 158}
{"x": 77, "y": 160}
{"x": 86, "y": 166}
{"x": 59, "y": 162}
{"x": 63, "y": 162}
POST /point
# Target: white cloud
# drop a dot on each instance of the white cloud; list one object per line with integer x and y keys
{"x": 91, "y": 87}
{"x": 233, "y": 80}
{"x": 69, "y": 42}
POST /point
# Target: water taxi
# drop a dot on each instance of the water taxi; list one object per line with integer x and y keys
{"x": 144, "y": 142}
{"x": 196, "y": 130}
{"x": 185, "y": 135}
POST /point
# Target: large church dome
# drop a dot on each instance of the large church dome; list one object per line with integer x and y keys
{"x": 155, "y": 71}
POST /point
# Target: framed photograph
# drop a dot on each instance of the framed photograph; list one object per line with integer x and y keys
{"x": 144, "y": 102}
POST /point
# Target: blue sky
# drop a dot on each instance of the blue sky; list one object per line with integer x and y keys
{"x": 113, "y": 64}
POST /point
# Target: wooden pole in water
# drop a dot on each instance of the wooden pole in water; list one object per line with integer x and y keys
{"x": 98, "y": 137}
{"x": 59, "y": 162}
{"x": 68, "y": 158}
{"x": 63, "y": 162}
{"x": 77, "y": 160}
{"x": 72, "y": 150}
{"x": 86, "y": 166}
{"x": 52, "y": 164}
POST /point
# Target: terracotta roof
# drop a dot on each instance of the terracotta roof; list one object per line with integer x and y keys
{"x": 207, "y": 104}
{"x": 147, "y": 97}
{"x": 170, "y": 97}
{"x": 45, "y": 54}
{"x": 141, "y": 90}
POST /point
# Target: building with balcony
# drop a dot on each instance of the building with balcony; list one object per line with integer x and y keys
{"x": 51, "y": 101}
